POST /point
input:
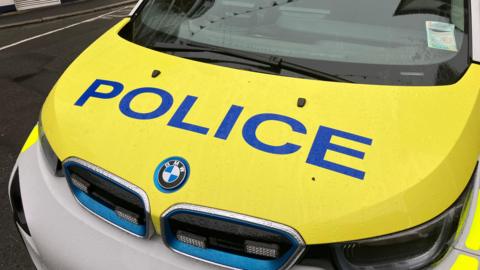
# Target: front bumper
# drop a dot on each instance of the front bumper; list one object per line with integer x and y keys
{"x": 63, "y": 235}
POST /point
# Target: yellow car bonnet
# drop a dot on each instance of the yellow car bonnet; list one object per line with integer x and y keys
{"x": 355, "y": 161}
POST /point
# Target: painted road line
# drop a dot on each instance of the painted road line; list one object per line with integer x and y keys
{"x": 57, "y": 30}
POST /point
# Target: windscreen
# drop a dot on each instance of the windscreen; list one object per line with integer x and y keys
{"x": 406, "y": 42}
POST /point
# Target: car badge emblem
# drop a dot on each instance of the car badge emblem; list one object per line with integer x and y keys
{"x": 171, "y": 174}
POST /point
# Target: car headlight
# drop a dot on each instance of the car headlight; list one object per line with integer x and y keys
{"x": 411, "y": 249}
{"x": 54, "y": 163}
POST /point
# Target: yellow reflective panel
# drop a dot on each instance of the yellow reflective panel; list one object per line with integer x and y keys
{"x": 32, "y": 138}
{"x": 473, "y": 240}
{"x": 465, "y": 262}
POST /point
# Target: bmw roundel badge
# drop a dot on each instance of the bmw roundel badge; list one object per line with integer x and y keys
{"x": 171, "y": 174}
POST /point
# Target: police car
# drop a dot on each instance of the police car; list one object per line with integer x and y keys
{"x": 262, "y": 134}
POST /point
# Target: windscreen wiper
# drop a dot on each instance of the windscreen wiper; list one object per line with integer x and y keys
{"x": 275, "y": 62}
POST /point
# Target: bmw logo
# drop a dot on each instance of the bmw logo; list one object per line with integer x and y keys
{"x": 171, "y": 174}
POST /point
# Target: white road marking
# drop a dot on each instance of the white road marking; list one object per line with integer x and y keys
{"x": 120, "y": 14}
{"x": 59, "y": 29}
{"x": 113, "y": 16}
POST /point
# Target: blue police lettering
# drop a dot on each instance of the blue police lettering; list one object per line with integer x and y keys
{"x": 228, "y": 122}
{"x": 322, "y": 143}
{"x": 320, "y": 146}
{"x": 91, "y": 91}
{"x": 167, "y": 101}
{"x": 250, "y": 128}
{"x": 181, "y": 113}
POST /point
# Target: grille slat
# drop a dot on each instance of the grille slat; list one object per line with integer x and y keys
{"x": 224, "y": 235}
{"x": 230, "y": 239}
{"x": 109, "y": 198}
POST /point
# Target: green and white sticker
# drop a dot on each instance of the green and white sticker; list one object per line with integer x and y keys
{"x": 441, "y": 36}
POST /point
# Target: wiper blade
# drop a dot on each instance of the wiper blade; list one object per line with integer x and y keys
{"x": 175, "y": 47}
{"x": 277, "y": 63}
{"x": 301, "y": 69}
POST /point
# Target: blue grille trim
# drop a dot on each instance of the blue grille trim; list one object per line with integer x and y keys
{"x": 106, "y": 213}
{"x": 99, "y": 209}
{"x": 223, "y": 258}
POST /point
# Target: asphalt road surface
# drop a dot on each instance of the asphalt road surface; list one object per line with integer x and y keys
{"x": 28, "y": 71}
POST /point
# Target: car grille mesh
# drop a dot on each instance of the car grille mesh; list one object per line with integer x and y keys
{"x": 110, "y": 200}
{"x": 227, "y": 236}
{"x": 230, "y": 239}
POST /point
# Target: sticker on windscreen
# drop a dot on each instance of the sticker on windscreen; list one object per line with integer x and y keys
{"x": 441, "y": 36}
